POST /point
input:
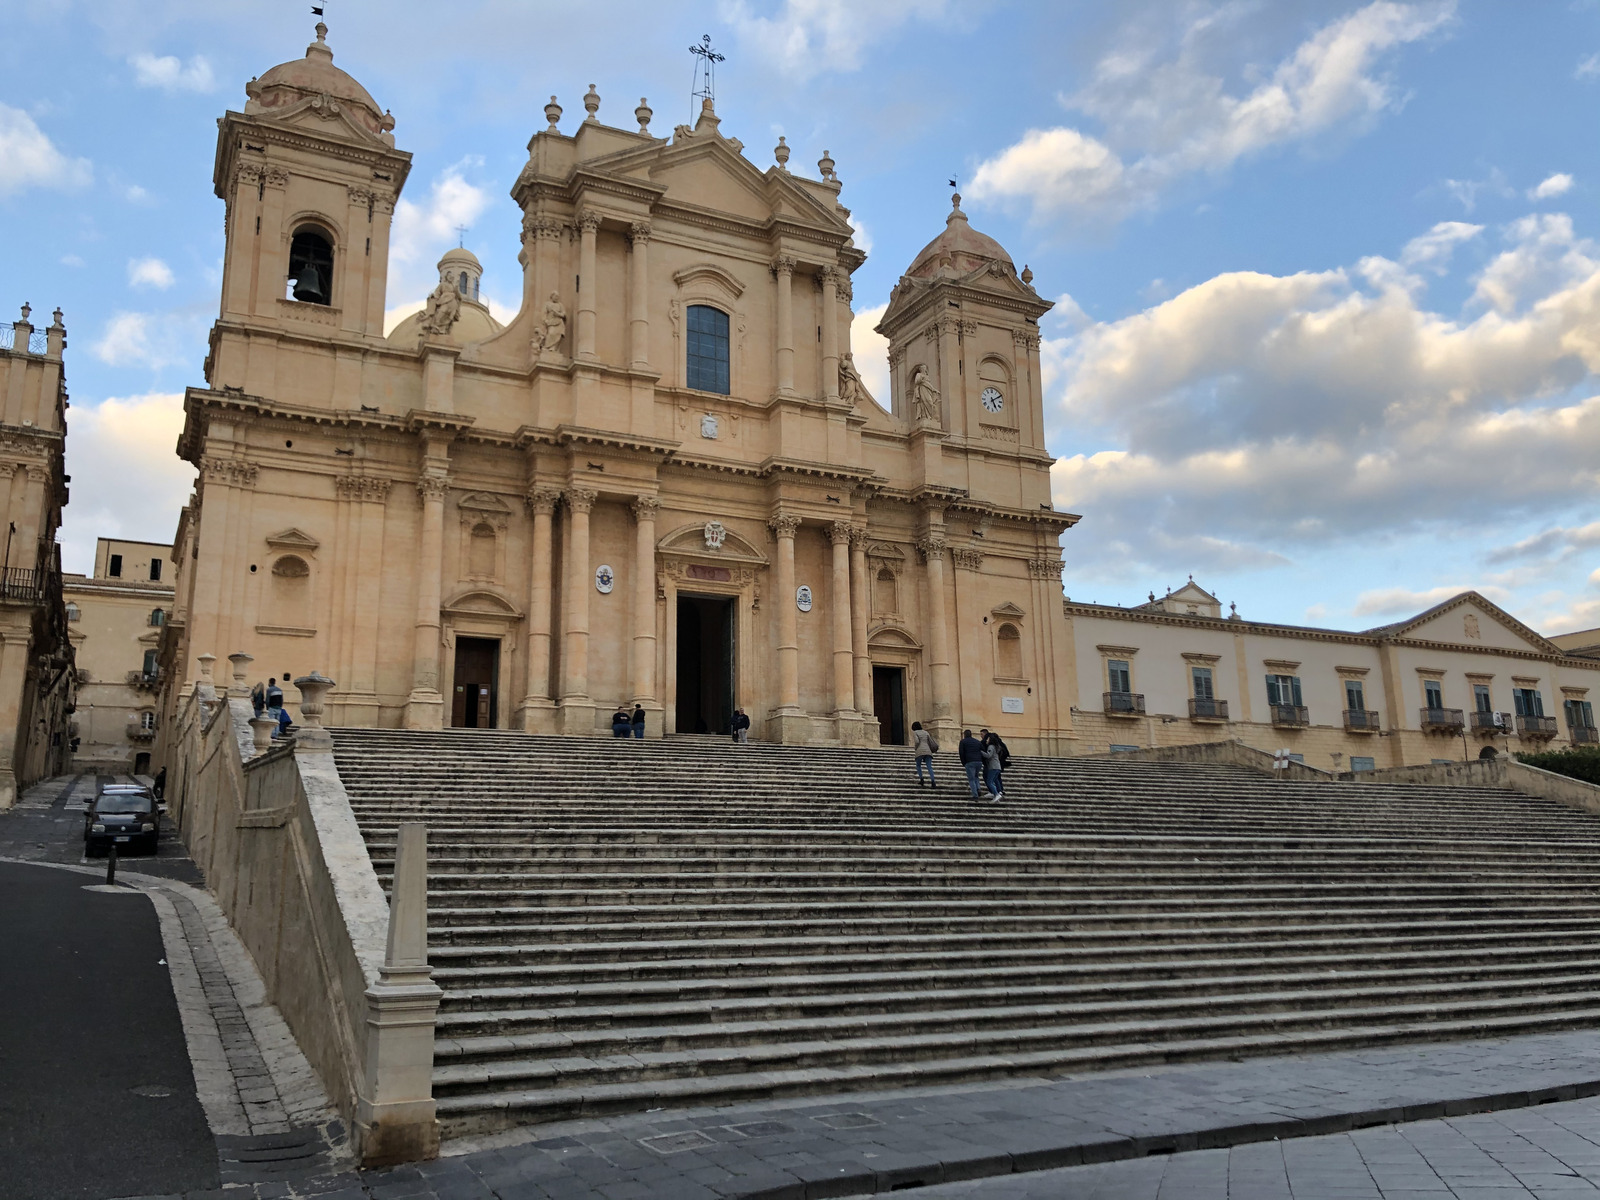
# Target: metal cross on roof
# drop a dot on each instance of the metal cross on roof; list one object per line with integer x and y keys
{"x": 705, "y": 72}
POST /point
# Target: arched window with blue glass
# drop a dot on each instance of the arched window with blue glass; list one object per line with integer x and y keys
{"x": 708, "y": 349}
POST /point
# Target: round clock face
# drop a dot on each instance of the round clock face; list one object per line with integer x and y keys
{"x": 992, "y": 399}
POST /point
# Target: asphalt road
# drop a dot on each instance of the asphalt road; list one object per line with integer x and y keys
{"x": 97, "y": 1099}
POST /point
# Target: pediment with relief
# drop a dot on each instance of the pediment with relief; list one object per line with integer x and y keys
{"x": 690, "y": 541}
{"x": 293, "y": 539}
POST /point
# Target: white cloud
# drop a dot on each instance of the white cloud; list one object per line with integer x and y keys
{"x": 133, "y": 339}
{"x": 1176, "y": 118}
{"x": 1399, "y": 601}
{"x": 170, "y": 74}
{"x": 149, "y": 272}
{"x": 423, "y": 231}
{"x": 1588, "y": 68}
{"x": 808, "y": 37}
{"x": 871, "y": 351}
{"x": 71, "y": 260}
{"x": 1555, "y": 185}
{"x": 863, "y": 239}
{"x": 393, "y": 316}
{"x": 1432, "y": 251}
{"x": 29, "y": 159}
{"x": 1272, "y": 413}
{"x": 1558, "y": 542}
{"x": 126, "y": 479}
{"x": 135, "y": 194}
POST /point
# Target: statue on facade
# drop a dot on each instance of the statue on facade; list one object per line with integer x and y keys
{"x": 852, "y": 390}
{"x": 442, "y": 309}
{"x": 553, "y": 327}
{"x": 924, "y": 396}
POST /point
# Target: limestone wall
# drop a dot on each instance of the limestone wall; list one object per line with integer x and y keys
{"x": 1496, "y": 772}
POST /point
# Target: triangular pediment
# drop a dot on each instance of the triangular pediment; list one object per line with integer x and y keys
{"x": 292, "y": 539}
{"x": 481, "y": 602}
{"x": 324, "y": 117}
{"x": 483, "y": 502}
{"x": 1469, "y": 620}
{"x": 691, "y": 541}
{"x": 1007, "y": 609}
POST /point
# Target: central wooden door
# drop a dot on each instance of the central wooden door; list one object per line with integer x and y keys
{"x": 474, "y": 701}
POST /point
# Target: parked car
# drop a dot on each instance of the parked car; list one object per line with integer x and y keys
{"x": 122, "y": 815}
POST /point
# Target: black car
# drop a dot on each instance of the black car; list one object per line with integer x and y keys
{"x": 122, "y": 817}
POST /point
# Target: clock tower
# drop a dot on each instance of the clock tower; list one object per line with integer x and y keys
{"x": 963, "y": 330}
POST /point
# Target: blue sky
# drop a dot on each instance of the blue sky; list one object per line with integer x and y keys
{"x": 1328, "y": 273}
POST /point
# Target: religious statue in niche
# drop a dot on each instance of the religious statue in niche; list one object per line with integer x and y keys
{"x": 851, "y": 389}
{"x": 548, "y": 337}
{"x": 924, "y": 396}
{"x": 442, "y": 308}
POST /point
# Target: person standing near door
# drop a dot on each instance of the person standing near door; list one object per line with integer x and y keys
{"x": 740, "y": 726}
{"x": 638, "y": 722}
{"x": 923, "y": 747}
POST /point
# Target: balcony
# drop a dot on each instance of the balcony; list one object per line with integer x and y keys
{"x": 1541, "y": 728}
{"x": 1443, "y": 720}
{"x": 1490, "y": 724}
{"x": 18, "y": 583}
{"x": 1290, "y": 716}
{"x": 141, "y": 681}
{"x": 138, "y": 733}
{"x": 1208, "y": 710}
{"x": 1360, "y": 720}
{"x": 1584, "y": 735}
{"x": 1124, "y": 704}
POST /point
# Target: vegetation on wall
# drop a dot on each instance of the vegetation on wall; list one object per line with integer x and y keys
{"x": 1581, "y": 764}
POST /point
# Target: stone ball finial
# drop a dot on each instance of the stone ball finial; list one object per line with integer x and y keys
{"x": 591, "y": 103}
{"x": 781, "y": 153}
{"x": 552, "y": 113}
{"x": 642, "y": 114}
{"x": 1027, "y": 274}
{"x": 825, "y": 164}
{"x": 955, "y": 201}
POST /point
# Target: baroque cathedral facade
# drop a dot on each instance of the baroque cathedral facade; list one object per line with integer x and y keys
{"x": 662, "y": 484}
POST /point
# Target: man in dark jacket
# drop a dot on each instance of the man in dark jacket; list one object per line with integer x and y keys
{"x": 971, "y": 750}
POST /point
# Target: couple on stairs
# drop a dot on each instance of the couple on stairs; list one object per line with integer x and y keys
{"x": 983, "y": 758}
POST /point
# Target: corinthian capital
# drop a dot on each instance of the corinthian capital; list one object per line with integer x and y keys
{"x": 581, "y": 499}
{"x": 784, "y": 525}
{"x": 639, "y": 231}
{"x": 432, "y": 487}
{"x": 645, "y": 508}
{"x": 839, "y": 533}
{"x": 588, "y": 220}
{"x": 930, "y": 548}
{"x": 783, "y": 266}
{"x": 542, "y": 501}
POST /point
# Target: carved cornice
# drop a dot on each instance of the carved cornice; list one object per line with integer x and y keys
{"x": 784, "y": 525}
{"x": 542, "y": 501}
{"x": 581, "y": 500}
{"x": 967, "y": 560}
{"x": 368, "y": 488}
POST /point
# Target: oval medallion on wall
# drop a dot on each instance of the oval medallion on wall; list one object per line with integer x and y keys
{"x": 604, "y": 579}
{"x": 802, "y": 598}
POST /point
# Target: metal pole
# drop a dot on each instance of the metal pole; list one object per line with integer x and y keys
{"x": 5, "y": 575}
{"x": 111, "y": 864}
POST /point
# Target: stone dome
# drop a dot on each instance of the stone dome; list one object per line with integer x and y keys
{"x": 312, "y": 76}
{"x": 460, "y": 267}
{"x": 962, "y": 246}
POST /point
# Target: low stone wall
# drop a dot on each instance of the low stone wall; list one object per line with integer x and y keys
{"x": 1492, "y": 772}
{"x": 280, "y": 849}
{"x": 1232, "y": 754}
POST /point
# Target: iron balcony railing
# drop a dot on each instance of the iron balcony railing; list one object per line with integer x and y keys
{"x": 1360, "y": 720}
{"x": 1585, "y": 735}
{"x": 22, "y": 583}
{"x": 144, "y": 681}
{"x": 1443, "y": 720}
{"x": 1536, "y": 727}
{"x": 1491, "y": 722}
{"x": 1290, "y": 716}
{"x": 1207, "y": 710}
{"x": 1124, "y": 704}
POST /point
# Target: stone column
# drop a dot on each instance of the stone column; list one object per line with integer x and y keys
{"x": 783, "y": 268}
{"x": 542, "y": 503}
{"x": 860, "y": 591}
{"x": 844, "y": 668}
{"x": 589, "y": 225}
{"x": 575, "y": 640}
{"x": 425, "y": 705}
{"x": 787, "y": 634}
{"x": 932, "y": 550}
{"x": 830, "y": 333}
{"x": 644, "y": 602}
{"x": 639, "y": 306}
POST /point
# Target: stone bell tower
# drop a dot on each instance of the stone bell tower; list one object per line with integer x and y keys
{"x": 310, "y": 176}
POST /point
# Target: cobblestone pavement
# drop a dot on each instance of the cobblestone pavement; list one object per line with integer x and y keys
{"x": 1504, "y": 1117}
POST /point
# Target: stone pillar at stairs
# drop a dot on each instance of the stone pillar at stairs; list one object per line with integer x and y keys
{"x": 860, "y": 590}
{"x": 643, "y": 665}
{"x": 395, "y": 1118}
{"x": 536, "y": 713}
{"x": 577, "y": 709}
{"x": 425, "y": 705}
{"x": 932, "y": 550}
{"x": 844, "y": 665}
{"x": 788, "y": 722}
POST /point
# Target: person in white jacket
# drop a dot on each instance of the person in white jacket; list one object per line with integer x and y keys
{"x": 923, "y": 746}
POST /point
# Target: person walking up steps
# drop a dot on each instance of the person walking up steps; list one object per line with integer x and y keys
{"x": 991, "y": 765}
{"x": 971, "y": 751}
{"x": 924, "y": 746}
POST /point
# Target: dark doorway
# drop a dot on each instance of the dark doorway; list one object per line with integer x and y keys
{"x": 141, "y": 764}
{"x": 705, "y": 663}
{"x": 477, "y": 673}
{"x": 889, "y": 702}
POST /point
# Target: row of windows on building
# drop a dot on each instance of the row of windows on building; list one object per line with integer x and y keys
{"x": 1285, "y": 698}
{"x": 114, "y": 567}
{"x": 158, "y": 616}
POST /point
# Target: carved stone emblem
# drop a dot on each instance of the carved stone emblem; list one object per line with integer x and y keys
{"x": 1469, "y": 626}
{"x": 716, "y": 534}
{"x": 604, "y": 580}
{"x": 802, "y": 598}
{"x": 708, "y": 427}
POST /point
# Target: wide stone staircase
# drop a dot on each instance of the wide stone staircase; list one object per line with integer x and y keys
{"x": 628, "y": 925}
